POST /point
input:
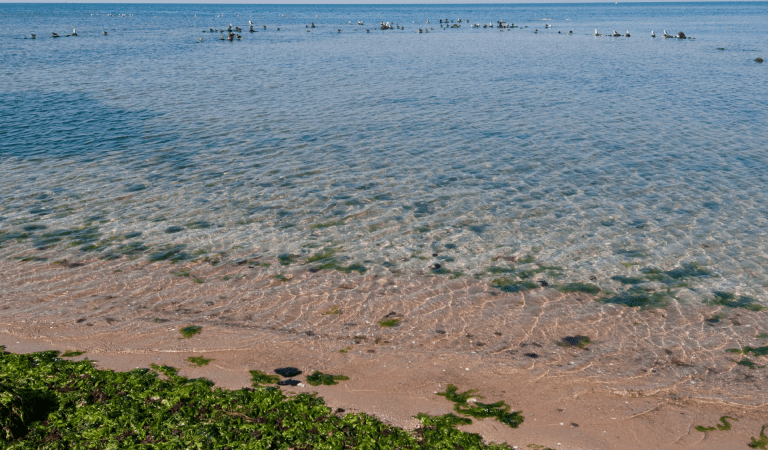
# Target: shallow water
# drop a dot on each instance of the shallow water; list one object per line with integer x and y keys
{"x": 600, "y": 156}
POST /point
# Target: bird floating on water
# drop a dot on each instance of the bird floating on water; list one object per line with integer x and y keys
{"x": 74, "y": 33}
{"x": 627, "y": 35}
{"x": 653, "y": 34}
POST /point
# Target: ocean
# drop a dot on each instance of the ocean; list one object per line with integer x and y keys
{"x": 536, "y": 153}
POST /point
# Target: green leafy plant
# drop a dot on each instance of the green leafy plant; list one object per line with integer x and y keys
{"x": 258, "y": 378}
{"x": 189, "y": 331}
{"x": 729, "y": 300}
{"x": 759, "y": 443}
{"x": 318, "y": 378}
{"x": 579, "y": 287}
{"x": 48, "y": 402}
{"x": 575, "y": 341}
{"x": 72, "y": 353}
{"x": 198, "y": 361}
{"x": 389, "y": 322}
{"x": 498, "y": 410}
{"x": 726, "y": 426}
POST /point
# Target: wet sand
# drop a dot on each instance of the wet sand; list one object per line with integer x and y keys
{"x": 646, "y": 379}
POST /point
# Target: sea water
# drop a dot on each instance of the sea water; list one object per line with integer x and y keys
{"x": 459, "y": 152}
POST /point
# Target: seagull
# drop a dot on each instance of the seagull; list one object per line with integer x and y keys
{"x": 653, "y": 34}
{"x": 74, "y": 33}
{"x": 627, "y": 35}
{"x": 615, "y": 33}
{"x": 596, "y": 33}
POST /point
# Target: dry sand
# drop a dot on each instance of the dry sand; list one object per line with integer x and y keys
{"x": 644, "y": 382}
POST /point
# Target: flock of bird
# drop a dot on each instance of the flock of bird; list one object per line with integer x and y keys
{"x": 444, "y": 23}
{"x": 679, "y": 35}
{"x": 56, "y": 35}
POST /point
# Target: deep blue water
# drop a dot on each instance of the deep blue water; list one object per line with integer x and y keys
{"x": 601, "y": 155}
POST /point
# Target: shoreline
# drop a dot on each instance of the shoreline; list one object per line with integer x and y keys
{"x": 317, "y": 321}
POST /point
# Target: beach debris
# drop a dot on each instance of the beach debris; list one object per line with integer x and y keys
{"x": 288, "y": 383}
{"x": 759, "y": 60}
{"x": 288, "y": 372}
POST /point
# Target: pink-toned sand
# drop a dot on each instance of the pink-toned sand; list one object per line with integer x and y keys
{"x": 645, "y": 381}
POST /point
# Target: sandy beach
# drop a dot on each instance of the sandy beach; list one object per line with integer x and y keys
{"x": 645, "y": 380}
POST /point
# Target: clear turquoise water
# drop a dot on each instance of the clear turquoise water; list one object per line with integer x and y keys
{"x": 600, "y": 155}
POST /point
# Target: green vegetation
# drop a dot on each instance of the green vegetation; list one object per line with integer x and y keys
{"x": 726, "y": 426}
{"x": 189, "y": 331}
{"x": 172, "y": 253}
{"x": 628, "y": 280}
{"x": 757, "y": 351}
{"x": 508, "y": 284}
{"x": 579, "y": 287}
{"x": 325, "y": 254}
{"x": 335, "y": 223}
{"x": 748, "y": 363}
{"x": 335, "y": 265}
{"x": 637, "y": 297}
{"x": 389, "y": 322}
{"x": 280, "y": 276}
{"x": 497, "y": 270}
{"x": 198, "y": 225}
{"x": 762, "y": 336}
{"x": 286, "y": 259}
{"x": 47, "y": 402}
{"x": 258, "y": 378}
{"x": 198, "y": 280}
{"x": 498, "y": 410}
{"x": 72, "y": 353}
{"x": 527, "y": 259}
{"x": 759, "y": 443}
{"x": 318, "y": 378}
{"x": 730, "y": 300}
{"x": 575, "y": 341}
{"x": 198, "y": 361}
{"x": 182, "y": 273}
{"x": 334, "y": 310}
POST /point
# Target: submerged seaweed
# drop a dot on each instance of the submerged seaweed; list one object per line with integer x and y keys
{"x": 729, "y": 300}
